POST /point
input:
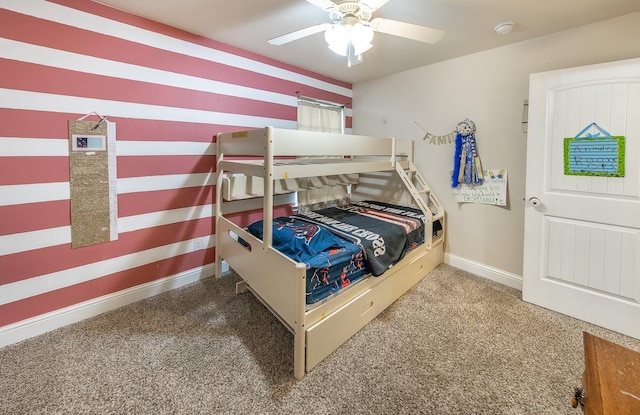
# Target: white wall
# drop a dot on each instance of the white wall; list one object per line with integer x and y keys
{"x": 489, "y": 88}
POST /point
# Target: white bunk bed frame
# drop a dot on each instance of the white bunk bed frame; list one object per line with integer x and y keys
{"x": 279, "y": 282}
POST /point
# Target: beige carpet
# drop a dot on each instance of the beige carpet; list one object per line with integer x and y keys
{"x": 454, "y": 344}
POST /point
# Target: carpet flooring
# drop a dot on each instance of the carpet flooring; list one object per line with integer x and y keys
{"x": 454, "y": 344}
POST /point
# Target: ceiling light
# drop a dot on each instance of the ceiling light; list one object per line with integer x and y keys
{"x": 361, "y": 37}
{"x": 504, "y": 28}
{"x": 337, "y": 38}
{"x": 350, "y": 40}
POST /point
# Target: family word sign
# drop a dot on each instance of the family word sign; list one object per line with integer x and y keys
{"x": 438, "y": 139}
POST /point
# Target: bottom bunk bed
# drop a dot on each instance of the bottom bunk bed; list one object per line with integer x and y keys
{"x": 329, "y": 272}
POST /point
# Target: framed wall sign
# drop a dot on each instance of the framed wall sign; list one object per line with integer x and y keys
{"x": 597, "y": 154}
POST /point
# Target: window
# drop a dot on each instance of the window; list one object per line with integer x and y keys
{"x": 326, "y": 117}
{"x": 323, "y": 116}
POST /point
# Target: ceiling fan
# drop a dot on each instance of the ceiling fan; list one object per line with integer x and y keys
{"x": 352, "y": 28}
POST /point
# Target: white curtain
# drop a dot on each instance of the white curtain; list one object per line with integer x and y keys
{"x": 320, "y": 116}
{"x": 328, "y": 118}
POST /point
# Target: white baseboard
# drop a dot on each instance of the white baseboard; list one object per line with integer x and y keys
{"x": 482, "y": 270}
{"x": 44, "y": 323}
{"x": 35, "y": 326}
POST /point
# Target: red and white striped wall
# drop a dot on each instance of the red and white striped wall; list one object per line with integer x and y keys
{"x": 169, "y": 93}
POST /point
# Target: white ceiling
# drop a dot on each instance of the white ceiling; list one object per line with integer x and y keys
{"x": 469, "y": 27}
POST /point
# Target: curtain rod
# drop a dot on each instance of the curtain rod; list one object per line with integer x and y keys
{"x": 319, "y": 102}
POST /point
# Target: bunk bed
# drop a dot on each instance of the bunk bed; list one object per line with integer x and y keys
{"x": 378, "y": 173}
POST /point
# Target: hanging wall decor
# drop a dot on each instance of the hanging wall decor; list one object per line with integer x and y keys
{"x": 92, "y": 181}
{"x": 467, "y": 168}
{"x": 492, "y": 191}
{"x": 594, "y": 153}
{"x": 438, "y": 139}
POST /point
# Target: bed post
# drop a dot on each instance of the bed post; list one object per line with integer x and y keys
{"x": 218, "y": 211}
{"x": 300, "y": 334}
{"x": 267, "y": 196}
{"x": 393, "y": 152}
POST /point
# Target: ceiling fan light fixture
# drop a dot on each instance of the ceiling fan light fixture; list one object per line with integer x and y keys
{"x": 347, "y": 39}
{"x": 361, "y": 37}
{"x": 337, "y": 38}
{"x": 351, "y": 29}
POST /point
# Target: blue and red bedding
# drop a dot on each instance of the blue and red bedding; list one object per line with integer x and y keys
{"x": 333, "y": 263}
{"x": 386, "y": 232}
{"x": 341, "y": 245}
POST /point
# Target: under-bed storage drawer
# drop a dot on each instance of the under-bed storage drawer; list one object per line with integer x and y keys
{"x": 329, "y": 333}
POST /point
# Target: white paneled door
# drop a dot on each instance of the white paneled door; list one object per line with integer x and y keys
{"x": 582, "y": 232}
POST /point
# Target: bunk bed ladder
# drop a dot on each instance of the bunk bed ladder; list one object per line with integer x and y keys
{"x": 421, "y": 193}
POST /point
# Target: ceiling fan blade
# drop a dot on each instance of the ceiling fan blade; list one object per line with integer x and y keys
{"x": 372, "y": 5}
{"x": 326, "y": 5}
{"x": 408, "y": 30}
{"x": 299, "y": 34}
